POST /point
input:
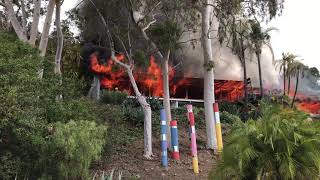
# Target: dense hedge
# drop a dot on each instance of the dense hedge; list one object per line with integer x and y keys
{"x": 39, "y": 136}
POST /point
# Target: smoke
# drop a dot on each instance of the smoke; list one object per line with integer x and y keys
{"x": 227, "y": 65}
{"x": 308, "y": 85}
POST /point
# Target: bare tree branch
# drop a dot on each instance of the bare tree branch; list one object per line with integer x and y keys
{"x": 149, "y": 24}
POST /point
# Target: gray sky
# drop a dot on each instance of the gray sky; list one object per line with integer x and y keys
{"x": 298, "y": 30}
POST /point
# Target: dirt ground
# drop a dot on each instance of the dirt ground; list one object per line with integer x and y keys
{"x": 133, "y": 165}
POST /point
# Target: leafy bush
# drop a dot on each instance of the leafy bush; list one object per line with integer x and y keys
{"x": 228, "y": 118}
{"x": 28, "y": 111}
{"x": 229, "y": 107}
{"x": 279, "y": 145}
{"x": 113, "y": 97}
{"x": 134, "y": 115}
{"x": 79, "y": 143}
{"x": 155, "y": 104}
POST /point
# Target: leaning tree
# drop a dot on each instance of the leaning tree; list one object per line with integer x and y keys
{"x": 297, "y": 69}
{"x": 115, "y": 29}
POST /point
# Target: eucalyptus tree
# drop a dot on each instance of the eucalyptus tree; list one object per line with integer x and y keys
{"x": 58, "y": 56}
{"x": 161, "y": 24}
{"x": 260, "y": 38}
{"x": 115, "y": 27}
{"x": 46, "y": 28}
{"x": 19, "y": 18}
{"x": 298, "y": 69}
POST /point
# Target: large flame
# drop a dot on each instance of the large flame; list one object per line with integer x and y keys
{"x": 150, "y": 83}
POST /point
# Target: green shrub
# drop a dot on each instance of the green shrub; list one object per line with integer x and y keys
{"x": 133, "y": 115}
{"x": 28, "y": 110}
{"x": 228, "y": 118}
{"x": 155, "y": 104}
{"x": 64, "y": 111}
{"x": 279, "y": 145}
{"x": 79, "y": 143}
{"x": 113, "y": 97}
{"x": 229, "y": 107}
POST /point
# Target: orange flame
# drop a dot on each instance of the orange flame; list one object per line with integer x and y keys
{"x": 229, "y": 90}
{"x": 309, "y": 107}
{"x": 151, "y": 82}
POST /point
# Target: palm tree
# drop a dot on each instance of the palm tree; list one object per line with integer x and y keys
{"x": 239, "y": 42}
{"x": 259, "y": 38}
{"x": 297, "y": 69}
{"x": 284, "y": 64}
{"x": 279, "y": 145}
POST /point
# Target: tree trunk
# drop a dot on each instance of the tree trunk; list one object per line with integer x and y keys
{"x": 147, "y": 116}
{"x": 208, "y": 77}
{"x": 244, "y": 65}
{"x": 24, "y": 18}
{"x": 46, "y": 28}
{"x": 94, "y": 92}
{"x": 245, "y": 80}
{"x": 166, "y": 96}
{"x": 14, "y": 21}
{"x": 145, "y": 107}
{"x": 165, "y": 100}
{"x": 260, "y": 74}
{"x": 284, "y": 80}
{"x": 57, "y": 66}
{"x": 35, "y": 22}
{"x": 295, "y": 92}
{"x": 289, "y": 84}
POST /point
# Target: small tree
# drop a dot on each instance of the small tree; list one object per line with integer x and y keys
{"x": 260, "y": 38}
{"x": 283, "y": 65}
{"x": 121, "y": 34}
{"x": 297, "y": 69}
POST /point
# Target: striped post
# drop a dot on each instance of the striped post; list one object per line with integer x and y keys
{"x": 174, "y": 140}
{"x": 218, "y": 126}
{"x": 164, "y": 153}
{"x": 193, "y": 140}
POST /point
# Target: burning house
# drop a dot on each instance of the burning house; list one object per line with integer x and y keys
{"x": 150, "y": 83}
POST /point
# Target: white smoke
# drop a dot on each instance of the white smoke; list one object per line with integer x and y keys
{"x": 227, "y": 65}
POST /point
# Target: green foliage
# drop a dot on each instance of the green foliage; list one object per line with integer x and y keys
{"x": 229, "y": 107}
{"x": 28, "y": 111}
{"x": 180, "y": 114}
{"x": 314, "y": 72}
{"x": 280, "y": 145}
{"x": 209, "y": 65}
{"x": 79, "y": 143}
{"x": 113, "y": 97}
{"x": 65, "y": 111}
{"x": 166, "y": 35}
{"x": 133, "y": 115}
{"x": 228, "y": 118}
{"x": 155, "y": 104}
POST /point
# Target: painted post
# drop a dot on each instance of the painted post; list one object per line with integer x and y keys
{"x": 174, "y": 140}
{"x": 193, "y": 140}
{"x": 163, "y": 124}
{"x": 218, "y": 126}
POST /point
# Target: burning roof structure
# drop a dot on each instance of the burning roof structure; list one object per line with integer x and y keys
{"x": 150, "y": 83}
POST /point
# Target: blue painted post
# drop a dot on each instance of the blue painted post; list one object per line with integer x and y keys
{"x": 163, "y": 129}
{"x": 174, "y": 140}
